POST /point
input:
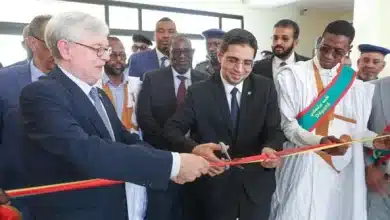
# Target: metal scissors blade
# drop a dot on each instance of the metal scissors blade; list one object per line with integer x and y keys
{"x": 224, "y": 150}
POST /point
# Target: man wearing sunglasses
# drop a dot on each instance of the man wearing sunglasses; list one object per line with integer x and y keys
{"x": 320, "y": 101}
{"x": 12, "y": 80}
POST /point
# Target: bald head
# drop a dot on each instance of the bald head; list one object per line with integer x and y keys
{"x": 181, "y": 53}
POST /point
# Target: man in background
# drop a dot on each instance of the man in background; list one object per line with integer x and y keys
{"x": 122, "y": 90}
{"x": 213, "y": 41}
{"x": 12, "y": 80}
{"x": 162, "y": 93}
{"x": 140, "y": 63}
{"x": 284, "y": 41}
{"x": 25, "y": 46}
{"x": 371, "y": 61}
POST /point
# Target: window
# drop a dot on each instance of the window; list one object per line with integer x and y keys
{"x": 200, "y": 51}
{"x": 185, "y": 23}
{"x": 123, "y": 18}
{"x": 229, "y": 23}
{"x": 11, "y": 49}
{"x": 28, "y": 9}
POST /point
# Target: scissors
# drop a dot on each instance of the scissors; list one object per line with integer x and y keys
{"x": 224, "y": 150}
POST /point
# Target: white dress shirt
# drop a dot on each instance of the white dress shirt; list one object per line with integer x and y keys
{"x": 161, "y": 55}
{"x": 35, "y": 72}
{"x": 276, "y": 61}
{"x": 228, "y": 88}
{"x": 177, "y": 81}
{"x": 86, "y": 88}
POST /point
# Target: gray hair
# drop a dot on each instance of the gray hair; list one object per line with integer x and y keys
{"x": 181, "y": 37}
{"x": 24, "y": 44}
{"x": 71, "y": 26}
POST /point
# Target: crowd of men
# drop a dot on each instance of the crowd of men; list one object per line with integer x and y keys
{"x": 78, "y": 108}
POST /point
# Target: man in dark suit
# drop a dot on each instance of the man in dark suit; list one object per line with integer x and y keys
{"x": 72, "y": 131}
{"x": 142, "y": 62}
{"x": 240, "y": 109}
{"x": 162, "y": 93}
{"x": 284, "y": 41}
{"x": 12, "y": 80}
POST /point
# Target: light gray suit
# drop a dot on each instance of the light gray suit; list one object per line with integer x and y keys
{"x": 379, "y": 206}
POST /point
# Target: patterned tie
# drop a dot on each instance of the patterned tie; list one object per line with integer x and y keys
{"x": 94, "y": 94}
{"x": 163, "y": 59}
{"x": 282, "y": 64}
{"x": 234, "y": 108}
{"x": 181, "y": 91}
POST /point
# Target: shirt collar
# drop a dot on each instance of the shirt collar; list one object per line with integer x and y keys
{"x": 186, "y": 74}
{"x": 106, "y": 79}
{"x": 160, "y": 55}
{"x": 228, "y": 87}
{"x": 289, "y": 60}
{"x": 35, "y": 72}
{"x": 83, "y": 85}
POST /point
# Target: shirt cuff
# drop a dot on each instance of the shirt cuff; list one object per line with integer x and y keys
{"x": 176, "y": 162}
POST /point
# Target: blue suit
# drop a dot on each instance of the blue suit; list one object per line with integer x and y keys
{"x": 12, "y": 81}
{"x": 142, "y": 62}
{"x": 66, "y": 140}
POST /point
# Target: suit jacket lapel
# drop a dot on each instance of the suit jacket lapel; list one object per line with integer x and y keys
{"x": 269, "y": 71}
{"x": 82, "y": 102}
{"x": 24, "y": 76}
{"x": 221, "y": 101}
{"x": 169, "y": 87}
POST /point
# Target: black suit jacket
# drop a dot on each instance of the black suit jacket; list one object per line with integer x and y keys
{"x": 206, "y": 113}
{"x": 157, "y": 103}
{"x": 264, "y": 67}
{"x": 66, "y": 140}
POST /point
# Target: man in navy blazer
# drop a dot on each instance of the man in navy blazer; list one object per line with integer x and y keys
{"x": 146, "y": 61}
{"x": 12, "y": 80}
{"x": 72, "y": 131}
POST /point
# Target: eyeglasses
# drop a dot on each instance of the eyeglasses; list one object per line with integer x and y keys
{"x": 114, "y": 56}
{"x": 233, "y": 62}
{"x": 141, "y": 48}
{"x": 100, "y": 51}
{"x": 185, "y": 52}
{"x": 336, "y": 52}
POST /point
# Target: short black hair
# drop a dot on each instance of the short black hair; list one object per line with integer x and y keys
{"x": 165, "y": 19}
{"x": 287, "y": 23}
{"x": 141, "y": 38}
{"x": 238, "y": 36}
{"x": 341, "y": 27}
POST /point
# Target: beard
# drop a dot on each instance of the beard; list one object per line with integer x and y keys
{"x": 283, "y": 54}
{"x": 110, "y": 70}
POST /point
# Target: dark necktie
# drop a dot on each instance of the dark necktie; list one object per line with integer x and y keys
{"x": 181, "y": 91}
{"x": 282, "y": 64}
{"x": 234, "y": 108}
{"x": 94, "y": 94}
{"x": 163, "y": 59}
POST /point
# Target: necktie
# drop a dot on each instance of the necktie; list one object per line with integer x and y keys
{"x": 234, "y": 108}
{"x": 181, "y": 91}
{"x": 100, "y": 109}
{"x": 163, "y": 59}
{"x": 282, "y": 64}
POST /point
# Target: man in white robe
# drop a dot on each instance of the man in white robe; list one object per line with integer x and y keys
{"x": 329, "y": 185}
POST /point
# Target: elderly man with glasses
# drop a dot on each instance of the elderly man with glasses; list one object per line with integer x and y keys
{"x": 72, "y": 131}
{"x": 320, "y": 101}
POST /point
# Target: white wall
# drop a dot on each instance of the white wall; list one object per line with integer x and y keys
{"x": 260, "y": 21}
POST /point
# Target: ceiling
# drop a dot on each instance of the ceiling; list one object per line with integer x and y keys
{"x": 320, "y": 4}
